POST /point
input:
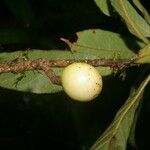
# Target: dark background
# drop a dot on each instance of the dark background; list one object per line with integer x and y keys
{"x": 32, "y": 121}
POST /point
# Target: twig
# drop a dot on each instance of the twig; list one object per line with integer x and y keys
{"x": 47, "y": 65}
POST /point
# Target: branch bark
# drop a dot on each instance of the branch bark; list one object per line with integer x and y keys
{"x": 46, "y": 66}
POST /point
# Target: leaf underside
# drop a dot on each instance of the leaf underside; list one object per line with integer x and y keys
{"x": 135, "y": 23}
{"x": 103, "y": 6}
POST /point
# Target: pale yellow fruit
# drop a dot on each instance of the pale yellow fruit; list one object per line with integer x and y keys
{"x": 81, "y": 82}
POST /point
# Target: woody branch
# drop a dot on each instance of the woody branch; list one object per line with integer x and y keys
{"x": 47, "y": 65}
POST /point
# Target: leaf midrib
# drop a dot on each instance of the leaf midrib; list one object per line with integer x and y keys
{"x": 133, "y": 25}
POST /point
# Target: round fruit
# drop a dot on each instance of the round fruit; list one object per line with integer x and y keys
{"x": 81, "y": 82}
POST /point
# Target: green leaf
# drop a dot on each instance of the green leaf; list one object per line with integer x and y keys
{"x": 116, "y": 135}
{"x": 131, "y": 139}
{"x": 104, "y": 44}
{"x": 144, "y": 55}
{"x": 103, "y": 6}
{"x": 38, "y": 82}
{"x": 138, "y": 4}
{"x": 135, "y": 23}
